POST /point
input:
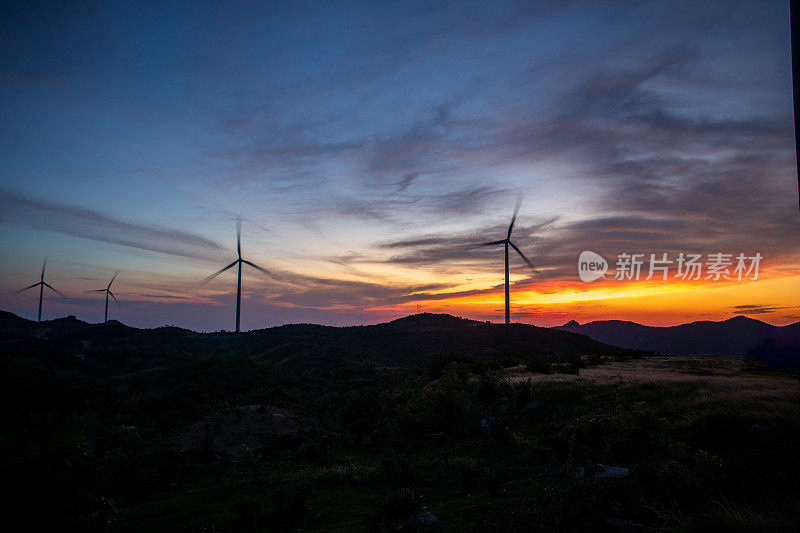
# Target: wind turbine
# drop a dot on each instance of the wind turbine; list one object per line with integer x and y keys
{"x": 41, "y": 284}
{"x": 507, "y": 242}
{"x": 108, "y": 292}
{"x": 239, "y": 261}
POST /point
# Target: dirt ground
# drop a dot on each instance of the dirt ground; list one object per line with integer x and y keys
{"x": 704, "y": 368}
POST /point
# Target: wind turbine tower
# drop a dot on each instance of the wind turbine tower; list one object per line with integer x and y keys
{"x": 41, "y": 284}
{"x": 108, "y": 292}
{"x": 506, "y": 243}
{"x": 238, "y": 262}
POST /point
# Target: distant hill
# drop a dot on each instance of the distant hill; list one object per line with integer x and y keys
{"x": 13, "y": 326}
{"x": 406, "y": 341}
{"x": 414, "y": 338}
{"x": 736, "y": 337}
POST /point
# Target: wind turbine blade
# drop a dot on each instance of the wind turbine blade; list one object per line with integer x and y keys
{"x": 44, "y": 264}
{"x": 112, "y": 279}
{"x": 28, "y": 287}
{"x": 239, "y": 236}
{"x": 514, "y": 246}
{"x": 492, "y": 243}
{"x": 516, "y": 211}
{"x": 97, "y": 290}
{"x": 55, "y": 290}
{"x": 263, "y": 270}
{"x": 217, "y": 273}
{"x": 115, "y": 298}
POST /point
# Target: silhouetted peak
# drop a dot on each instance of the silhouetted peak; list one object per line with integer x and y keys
{"x": 112, "y": 325}
{"x": 71, "y": 319}
{"x": 432, "y": 321}
{"x": 742, "y": 320}
{"x": 571, "y": 324}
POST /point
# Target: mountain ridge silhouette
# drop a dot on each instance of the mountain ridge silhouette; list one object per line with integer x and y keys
{"x": 739, "y": 336}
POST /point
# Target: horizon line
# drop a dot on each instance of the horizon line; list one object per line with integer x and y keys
{"x": 487, "y": 322}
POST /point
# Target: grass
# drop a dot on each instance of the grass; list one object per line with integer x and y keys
{"x": 685, "y": 441}
{"x": 709, "y": 445}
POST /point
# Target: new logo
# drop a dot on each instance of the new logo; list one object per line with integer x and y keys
{"x": 591, "y": 266}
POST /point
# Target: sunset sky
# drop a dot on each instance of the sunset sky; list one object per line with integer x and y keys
{"x": 369, "y": 146}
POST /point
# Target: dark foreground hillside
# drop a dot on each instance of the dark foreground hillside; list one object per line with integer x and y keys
{"x": 396, "y": 427}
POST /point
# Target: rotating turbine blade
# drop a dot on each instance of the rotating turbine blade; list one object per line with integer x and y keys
{"x": 239, "y": 236}
{"x": 55, "y": 290}
{"x": 217, "y": 273}
{"x": 527, "y": 261}
{"x": 28, "y": 287}
{"x": 516, "y": 211}
{"x": 112, "y": 279}
{"x": 115, "y": 298}
{"x": 493, "y": 243}
{"x": 263, "y": 270}
{"x": 97, "y": 290}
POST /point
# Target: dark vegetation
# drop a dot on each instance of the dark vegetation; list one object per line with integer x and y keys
{"x": 374, "y": 430}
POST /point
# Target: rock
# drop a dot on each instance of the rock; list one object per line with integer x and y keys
{"x": 423, "y": 521}
{"x": 129, "y": 432}
{"x": 611, "y": 472}
{"x": 432, "y": 383}
{"x": 485, "y": 425}
{"x": 624, "y": 526}
{"x": 530, "y": 406}
{"x": 598, "y": 471}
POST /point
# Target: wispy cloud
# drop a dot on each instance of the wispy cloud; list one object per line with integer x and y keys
{"x": 300, "y": 290}
{"x": 20, "y": 210}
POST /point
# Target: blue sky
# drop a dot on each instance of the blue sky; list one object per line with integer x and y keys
{"x": 365, "y": 144}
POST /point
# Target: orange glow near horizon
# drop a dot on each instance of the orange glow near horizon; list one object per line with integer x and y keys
{"x": 476, "y": 295}
{"x": 654, "y": 302}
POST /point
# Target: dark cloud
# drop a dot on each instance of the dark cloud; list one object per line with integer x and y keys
{"x": 467, "y": 252}
{"x": 675, "y": 182}
{"x": 46, "y": 215}
{"x": 415, "y": 243}
{"x": 554, "y": 248}
{"x": 310, "y": 291}
{"x": 751, "y": 309}
{"x": 406, "y": 180}
{"x": 400, "y": 208}
{"x": 679, "y": 177}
